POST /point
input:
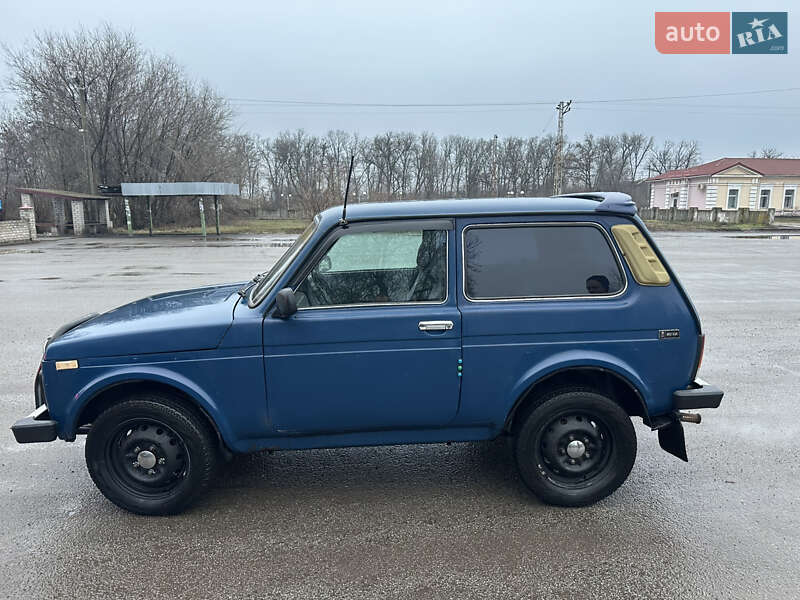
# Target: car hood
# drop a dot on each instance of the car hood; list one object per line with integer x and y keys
{"x": 176, "y": 321}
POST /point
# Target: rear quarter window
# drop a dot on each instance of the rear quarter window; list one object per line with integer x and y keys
{"x": 539, "y": 261}
{"x": 646, "y": 267}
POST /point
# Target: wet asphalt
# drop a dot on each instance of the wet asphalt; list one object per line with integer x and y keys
{"x": 433, "y": 521}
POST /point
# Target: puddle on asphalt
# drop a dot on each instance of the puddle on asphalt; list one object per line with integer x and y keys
{"x": 767, "y": 236}
{"x": 148, "y": 267}
{"x": 10, "y": 251}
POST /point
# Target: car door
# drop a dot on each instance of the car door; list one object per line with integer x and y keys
{"x": 376, "y": 340}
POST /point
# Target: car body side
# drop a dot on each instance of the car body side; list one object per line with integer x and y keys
{"x": 506, "y": 347}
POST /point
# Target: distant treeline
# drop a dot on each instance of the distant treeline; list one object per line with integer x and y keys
{"x": 146, "y": 120}
{"x": 405, "y": 165}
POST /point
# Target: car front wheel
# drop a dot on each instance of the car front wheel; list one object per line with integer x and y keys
{"x": 150, "y": 455}
{"x": 575, "y": 447}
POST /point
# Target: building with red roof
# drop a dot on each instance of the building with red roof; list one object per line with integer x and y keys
{"x": 730, "y": 183}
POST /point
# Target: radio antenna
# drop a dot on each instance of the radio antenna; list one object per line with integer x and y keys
{"x": 343, "y": 220}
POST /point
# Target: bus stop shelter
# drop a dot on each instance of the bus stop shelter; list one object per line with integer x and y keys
{"x": 90, "y": 212}
{"x": 198, "y": 189}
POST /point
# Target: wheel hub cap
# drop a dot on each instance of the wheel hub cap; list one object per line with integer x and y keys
{"x": 573, "y": 448}
{"x": 576, "y": 449}
{"x": 146, "y": 459}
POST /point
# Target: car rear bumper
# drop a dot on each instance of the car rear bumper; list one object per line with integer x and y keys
{"x": 36, "y": 427}
{"x": 700, "y": 394}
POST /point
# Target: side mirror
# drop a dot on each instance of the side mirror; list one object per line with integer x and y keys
{"x": 285, "y": 304}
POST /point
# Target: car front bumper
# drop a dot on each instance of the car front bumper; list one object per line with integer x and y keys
{"x": 699, "y": 394}
{"x": 36, "y": 427}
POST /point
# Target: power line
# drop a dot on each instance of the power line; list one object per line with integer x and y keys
{"x": 775, "y": 112}
{"x": 486, "y": 106}
{"x": 729, "y": 109}
{"x": 384, "y": 105}
{"x": 547, "y": 125}
{"x": 499, "y": 104}
{"x": 716, "y": 95}
{"x": 300, "y": 111}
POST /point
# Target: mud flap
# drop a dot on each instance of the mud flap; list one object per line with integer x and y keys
{"x": 671, "y": 439}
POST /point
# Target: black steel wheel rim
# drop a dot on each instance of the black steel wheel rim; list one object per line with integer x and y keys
{"x": 573, "y": 449}
{"x": 147, "y": 458}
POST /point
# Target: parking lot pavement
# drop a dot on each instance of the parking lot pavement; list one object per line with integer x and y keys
{"x": 415, "y": 521}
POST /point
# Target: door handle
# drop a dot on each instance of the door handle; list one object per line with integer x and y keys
{"x": 435, "y": 325}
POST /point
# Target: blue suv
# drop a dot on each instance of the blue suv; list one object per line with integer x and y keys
{"x": 549, "y": 320}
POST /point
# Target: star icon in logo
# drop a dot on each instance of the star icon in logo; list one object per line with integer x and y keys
{"x": 757, "y": 23}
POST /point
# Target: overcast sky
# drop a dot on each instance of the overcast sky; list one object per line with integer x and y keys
{"x": 452, "y": 52}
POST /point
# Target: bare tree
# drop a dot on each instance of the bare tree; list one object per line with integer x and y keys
{"x": 583, "y": 162}
{"x": 671, "y": 156}
{"x": 640, "y": 146}
{"x": 766, "y": 152}
{"x": 145, "y": 119}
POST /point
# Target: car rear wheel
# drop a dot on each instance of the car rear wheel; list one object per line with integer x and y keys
{"x": 150, "y": 455}
{"x": 575, "y": 447}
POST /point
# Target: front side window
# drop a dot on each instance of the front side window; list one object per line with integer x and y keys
{"x": 733, "y": 198}
{"x": 384, "y": 267}
{"x": 788, "y": 199}
{"x": 539, "y": 261}
{"x": 764, "y": 198}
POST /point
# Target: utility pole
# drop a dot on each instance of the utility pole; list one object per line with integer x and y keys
{"x": 86, "y": 154}
{"x": 494, "y": 167}
{"x": 558, "y": 176}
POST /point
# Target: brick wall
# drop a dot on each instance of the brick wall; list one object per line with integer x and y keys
{"x": 14, "y": 231}
{"x": 78, "y": 219}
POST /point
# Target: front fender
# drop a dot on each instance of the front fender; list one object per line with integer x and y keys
{"x": 141, "y": 373}
{"x": 575, "y": 359}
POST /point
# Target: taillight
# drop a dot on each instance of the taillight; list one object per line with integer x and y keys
{"x": 38, "y": 388}
{"x": 701, "y": 346}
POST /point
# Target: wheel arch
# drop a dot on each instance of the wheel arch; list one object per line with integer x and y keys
{"x": 620, "y": 384}
{"x": 106, "y": 390}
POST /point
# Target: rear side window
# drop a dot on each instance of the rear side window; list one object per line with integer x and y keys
{"x": 539, "y": 261}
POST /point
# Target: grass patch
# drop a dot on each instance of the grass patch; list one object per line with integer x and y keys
{"x": 245, "y": 226}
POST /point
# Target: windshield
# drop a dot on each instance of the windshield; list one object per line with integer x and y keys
{"x": 263, "y": 287}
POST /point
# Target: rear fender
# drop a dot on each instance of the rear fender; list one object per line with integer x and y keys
{"x": 572, "y": 359}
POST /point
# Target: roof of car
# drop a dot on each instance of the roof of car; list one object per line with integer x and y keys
{"x": 589, "y": 202}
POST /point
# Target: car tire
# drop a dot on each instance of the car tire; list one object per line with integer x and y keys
{"x": 151, "y": 455}
{"x": 574, "y": 447}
